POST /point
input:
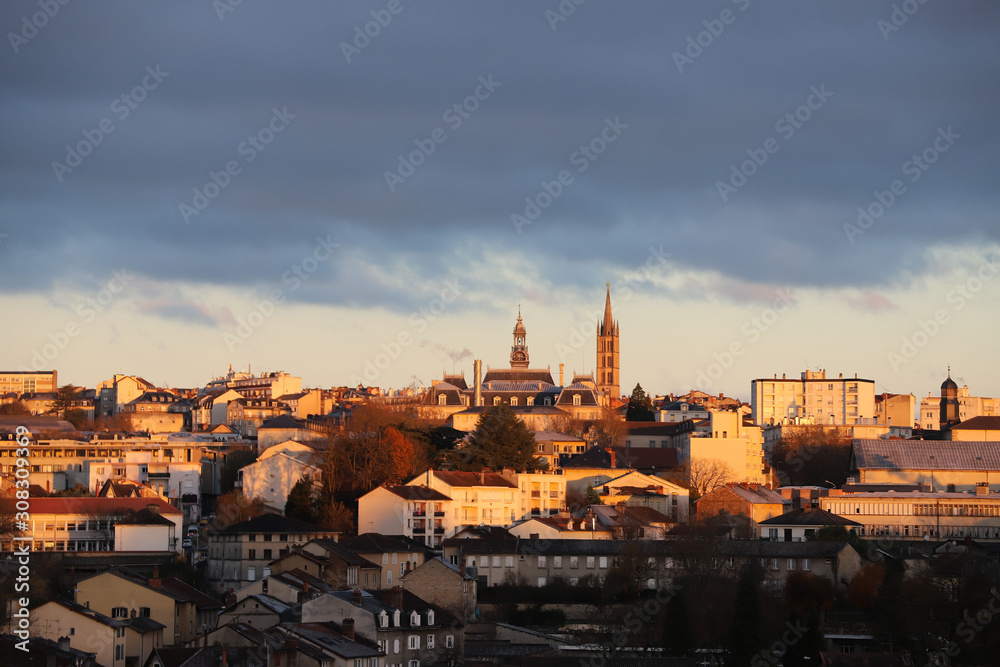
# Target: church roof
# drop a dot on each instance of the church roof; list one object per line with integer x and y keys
{"x": 519, "y": 375}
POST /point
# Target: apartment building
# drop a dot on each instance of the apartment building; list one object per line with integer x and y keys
{"x": 113, "y": 394}
{"x": 813, "y": 398}
{"x": 896, "y": 409}
{"x": 28, "y": 382}
{"x": 245, "y": 415}
{"x": 101, "y": 524}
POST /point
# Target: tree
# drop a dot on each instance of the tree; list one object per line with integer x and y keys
{"x": 609, "y": 429}
{"x": 640, "y": 406}
{"x": 301, "y": 501}
{"x": 500, "y": 440}
{"x": 744, "y": 633}
{"x": 707, "y": 474}
{"x": 336, "y": 516}
{"x": 16, "y": 408}
{"x": 65, "y": 404}
{"x": 811, "y": 455}
{"x": 233, "y": 507}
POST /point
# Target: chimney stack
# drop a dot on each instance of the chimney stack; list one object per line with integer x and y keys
{"x": 348, "y": 628}
{"x": 225, "y": 660}
{"x": 561, "y": 366}
{"x": 395, "y": 598}
{"x": 477, "y": 372}
{"x": 64, "y": 643}
{"x": 356, "y": 597}
{"x": 155, "y": 582}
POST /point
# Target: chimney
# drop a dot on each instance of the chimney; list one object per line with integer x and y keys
{"x": 155, "y": 582}
{"x": 482, "y": 476}
{"x": 612, "y": 453}
{"x": 477, "y": 372}
{"x": 230, "y": 599}
{"x": 356, "y": 598}
{"x": 395, "y": 598}
{"x": 561, "y": 366}
{"x": 224, "y": 661}
{"x": 64, "y": 643}
{"x": 348, "y": 628}
{"x": 982, "y": 488}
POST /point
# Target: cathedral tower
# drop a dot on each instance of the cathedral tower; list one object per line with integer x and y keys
{"x": 519, "y": 351}
{"x": 608, "y": 379}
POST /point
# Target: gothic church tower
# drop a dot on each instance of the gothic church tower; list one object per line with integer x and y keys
{"x": 608, "y": 378}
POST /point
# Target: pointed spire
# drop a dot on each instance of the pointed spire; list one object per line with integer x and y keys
{"x": 608, "y": 325}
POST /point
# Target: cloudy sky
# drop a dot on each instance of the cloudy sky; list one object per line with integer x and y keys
{"x": 367, "y": 191}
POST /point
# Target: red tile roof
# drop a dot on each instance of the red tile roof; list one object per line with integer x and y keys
{"x": 98, "y": 506}
{"x": 455, "y": 478}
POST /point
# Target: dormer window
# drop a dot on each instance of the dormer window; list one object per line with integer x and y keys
{"x": 442, "y": 399}
{"x": 576, "y": 399}
{"x": 430, "y": 617}
{"x": 513, "y": 401}
{"x": 383, "y": 619}
{"x": 496, "y": 400}
{"x": 395, "y": 618}
{"x": 530, "y": 401}
{"x": 414, "y": 619}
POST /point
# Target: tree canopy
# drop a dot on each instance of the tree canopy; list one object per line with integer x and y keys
{"x": 640, "y": 406}
{"x": 500, "y": 440}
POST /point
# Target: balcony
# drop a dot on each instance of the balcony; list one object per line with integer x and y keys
{"x": 536, "y": 494}
{"x": 439, "y": 531}
{"x": 438, "y": 513}
{"x": 419, "y": 513}
{"x": 553, "y": 494}
{"x": 419, "y": 531}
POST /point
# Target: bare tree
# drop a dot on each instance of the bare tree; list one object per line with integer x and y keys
{"x": 707, "y": 474}
{"x": 609, "y": 429}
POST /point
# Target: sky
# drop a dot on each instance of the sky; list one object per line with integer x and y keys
{"x": 367, "y": 192}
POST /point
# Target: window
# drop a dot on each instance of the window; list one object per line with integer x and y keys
{"x": 508, "y": 561}
{"x": 574, "y": 562}
{"x": 430, "y": 641}
{"x": 541, "y": 563}
{"x": 576, "y": 399}
{"x": 590, "y": 562}
{"x": 775, "y": 564}
{"x": 541, "y": 581}
{"x": 791, "y": 564}
{"x": 449, "y": 641}
{"x": 358, "y": 662}
{"x": 72, "y": 632}
{"x": 602, "y": 562}
{"x": 413, "y": 642}
{"x": 395, "y": 557}
{"x": 414, "y": 620}
{"x": 383, "y": 619}
{"x": 385, "y": 559}
{"x": 557, "y": 561}
{"x": 496, "y": 561}
{"x": 805, "y": 564}
{"x": 513, "y": 401}
{"x": 119, "y": 612}
{"x": 395, "y": 646}
{"x": 496, "y": 400}
{"x": 395, "y": 618}
{"x": 253, "y": 554}
{"x": 574, "y": 581}
{"x": 413, "y": 663}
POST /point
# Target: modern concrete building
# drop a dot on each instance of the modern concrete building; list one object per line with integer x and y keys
{"x": 813, "y": 398}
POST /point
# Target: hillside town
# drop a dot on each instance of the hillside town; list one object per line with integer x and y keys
{"x": 517, "y": 515}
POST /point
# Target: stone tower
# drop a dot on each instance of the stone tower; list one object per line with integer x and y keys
{"x": 608, "y": 378}
{"x": 519, "y": 351}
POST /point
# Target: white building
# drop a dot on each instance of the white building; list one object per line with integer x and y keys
{"x": 813, "y": 398}
{"x": 278, "y": 469}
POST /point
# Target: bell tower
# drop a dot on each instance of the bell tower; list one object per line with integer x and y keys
{"x": 519, "y": 351}
{"x": 608, "y": 378}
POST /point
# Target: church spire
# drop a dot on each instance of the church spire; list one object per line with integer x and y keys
{"x": 519, "y": 351}
{"x": 608, "y": 379}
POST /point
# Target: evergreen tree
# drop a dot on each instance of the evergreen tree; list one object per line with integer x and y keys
{"x": 678, "y": 629}
{"x": 500, "y": 440}
{"x": 640, "y": 406}
{"x": 744, "y": 628}
{"x": 300, "y": 502}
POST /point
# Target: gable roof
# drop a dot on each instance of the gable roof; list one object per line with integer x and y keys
{"x": 981, "y": 423}
{"x": 282, "y": 421}
{"x": 98, "y": 506}
{"x": 926, "y": 455}
{"x": 413, "y": 492}
{"x": 377, "y": 543}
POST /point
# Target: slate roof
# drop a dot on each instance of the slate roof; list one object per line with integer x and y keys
{"x": 808, "y": 517}
{"x": 343, "y": 553}
{"x": 456, "y": 478}
{"x": 756, "y": 494}
{"x": 625, "y": 457}
{"x": 144, "y": 517}
{"x": 377, "y": 543}
{"x": 654, "y": 548}
{"x": 555, "y": 436}
{"x": 519, "y": 374}
{"x": 273, "y": 523}
{"x": 282, "y": 421}
{"x": 657, "y": 428}
{"x": 916, "y": 455}
{"x": 410, "y": 492}
{"x": 328, "y": 636}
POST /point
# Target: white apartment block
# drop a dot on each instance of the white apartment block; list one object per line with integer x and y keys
{"x": 434, "y": 506}
{"x": 28, "y": 382}
{"x": 812, "y": 399}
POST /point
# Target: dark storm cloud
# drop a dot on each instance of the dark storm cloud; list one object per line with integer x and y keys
{"x": 323, "y": 175}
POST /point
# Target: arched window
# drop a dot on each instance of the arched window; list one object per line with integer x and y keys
{"x": 513, "y": 401}
{"x": 414, "y": 619}
{"x": 442, "y": 399}
{"x": 576, "y": 399}
{"x": 530, "y": 401}
{"x": 496, "y": 400}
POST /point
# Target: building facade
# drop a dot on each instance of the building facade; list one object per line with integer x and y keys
{"x": 813, "y": 398}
